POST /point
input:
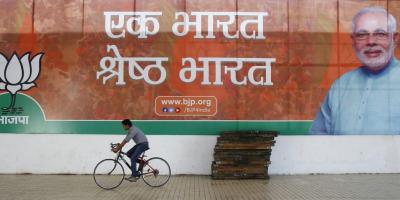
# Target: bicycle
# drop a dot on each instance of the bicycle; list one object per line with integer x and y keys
{"x": 109, "y": 173}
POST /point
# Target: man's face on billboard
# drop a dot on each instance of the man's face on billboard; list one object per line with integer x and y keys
{"x": 373, "y": 41}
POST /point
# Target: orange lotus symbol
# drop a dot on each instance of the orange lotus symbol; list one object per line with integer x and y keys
{"x": 18, "y": 74}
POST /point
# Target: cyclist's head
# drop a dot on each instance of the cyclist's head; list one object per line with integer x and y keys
{"x": 126, "y": 123}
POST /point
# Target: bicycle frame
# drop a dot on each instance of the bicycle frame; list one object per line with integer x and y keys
{"x": 147, "y": 172}
{"x": 142, "y": 160}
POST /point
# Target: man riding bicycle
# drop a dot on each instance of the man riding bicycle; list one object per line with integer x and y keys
{"x": 141, "y": 146}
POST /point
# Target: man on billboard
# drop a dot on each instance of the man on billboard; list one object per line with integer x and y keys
{"x": 366, "y": 100}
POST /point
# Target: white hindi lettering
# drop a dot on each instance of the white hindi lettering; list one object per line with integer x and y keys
{"x": 135, "y": 70}
{"x": 144, "y": 24}
{"x": 14, "y": 120}
{"x": 138, "y": 24}
{"x": 262, "y": 64}
{"x": 181, "y": 28}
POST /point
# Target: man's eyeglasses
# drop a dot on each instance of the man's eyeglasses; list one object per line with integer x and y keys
{"x": 379, "y": 35}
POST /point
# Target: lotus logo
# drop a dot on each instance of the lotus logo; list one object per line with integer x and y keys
{"x": 18, "y": 74}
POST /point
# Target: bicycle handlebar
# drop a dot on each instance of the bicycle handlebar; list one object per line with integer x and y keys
{"x": 113, "y": 145}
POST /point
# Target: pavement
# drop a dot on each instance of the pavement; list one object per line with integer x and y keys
{"x": 188, "y": 187}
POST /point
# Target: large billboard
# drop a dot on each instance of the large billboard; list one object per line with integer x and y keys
{"x": 198, "y": 67}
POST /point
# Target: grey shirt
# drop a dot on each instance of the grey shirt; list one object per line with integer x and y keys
{"x": 136, "y": 135}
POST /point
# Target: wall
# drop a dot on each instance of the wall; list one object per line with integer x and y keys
{"x": 76, "y": 154}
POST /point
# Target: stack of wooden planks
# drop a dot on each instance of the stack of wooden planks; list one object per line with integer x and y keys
{"x": 243, "y": 155}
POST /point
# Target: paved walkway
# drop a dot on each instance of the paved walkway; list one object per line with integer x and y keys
{"x": 59, "y": 187}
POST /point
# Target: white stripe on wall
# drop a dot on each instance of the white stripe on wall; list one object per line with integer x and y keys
{"x": 189, "y": 154}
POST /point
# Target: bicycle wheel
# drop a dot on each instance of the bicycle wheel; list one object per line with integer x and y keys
{"x": 108, "y": 174}
{"x": 156, "y": 172}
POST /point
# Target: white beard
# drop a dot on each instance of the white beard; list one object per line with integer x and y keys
{"x": 373, "y": 63}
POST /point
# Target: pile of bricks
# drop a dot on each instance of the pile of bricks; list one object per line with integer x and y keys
{"x": 243, "y": 155}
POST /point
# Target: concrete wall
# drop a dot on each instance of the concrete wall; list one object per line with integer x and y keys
{"x": 25, "y": 153}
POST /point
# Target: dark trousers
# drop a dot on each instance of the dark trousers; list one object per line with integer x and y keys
{"x": 134, "y": 154}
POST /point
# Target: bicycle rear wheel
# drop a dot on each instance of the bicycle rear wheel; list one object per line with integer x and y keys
{"x": 156, "y": 172}
{"x": 108, "y": 174}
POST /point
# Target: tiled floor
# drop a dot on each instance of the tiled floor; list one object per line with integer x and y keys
{"x": 82, "y": 187}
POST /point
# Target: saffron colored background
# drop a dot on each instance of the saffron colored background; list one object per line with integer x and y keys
{"x": 309, "y": 39}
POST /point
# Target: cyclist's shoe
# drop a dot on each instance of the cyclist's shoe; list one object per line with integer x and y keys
{"x": 132, "y": 178}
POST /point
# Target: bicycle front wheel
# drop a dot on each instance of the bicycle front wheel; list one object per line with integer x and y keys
{"x": 108, "y": 174}
{"x": 156, "y": 172}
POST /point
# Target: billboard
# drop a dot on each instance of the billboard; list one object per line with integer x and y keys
{"x": 187, "y": 67}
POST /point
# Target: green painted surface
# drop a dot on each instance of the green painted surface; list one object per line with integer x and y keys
{"x": 38, "y": 125}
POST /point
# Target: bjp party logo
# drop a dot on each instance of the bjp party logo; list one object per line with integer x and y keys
{"x": 18, "y": 74}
